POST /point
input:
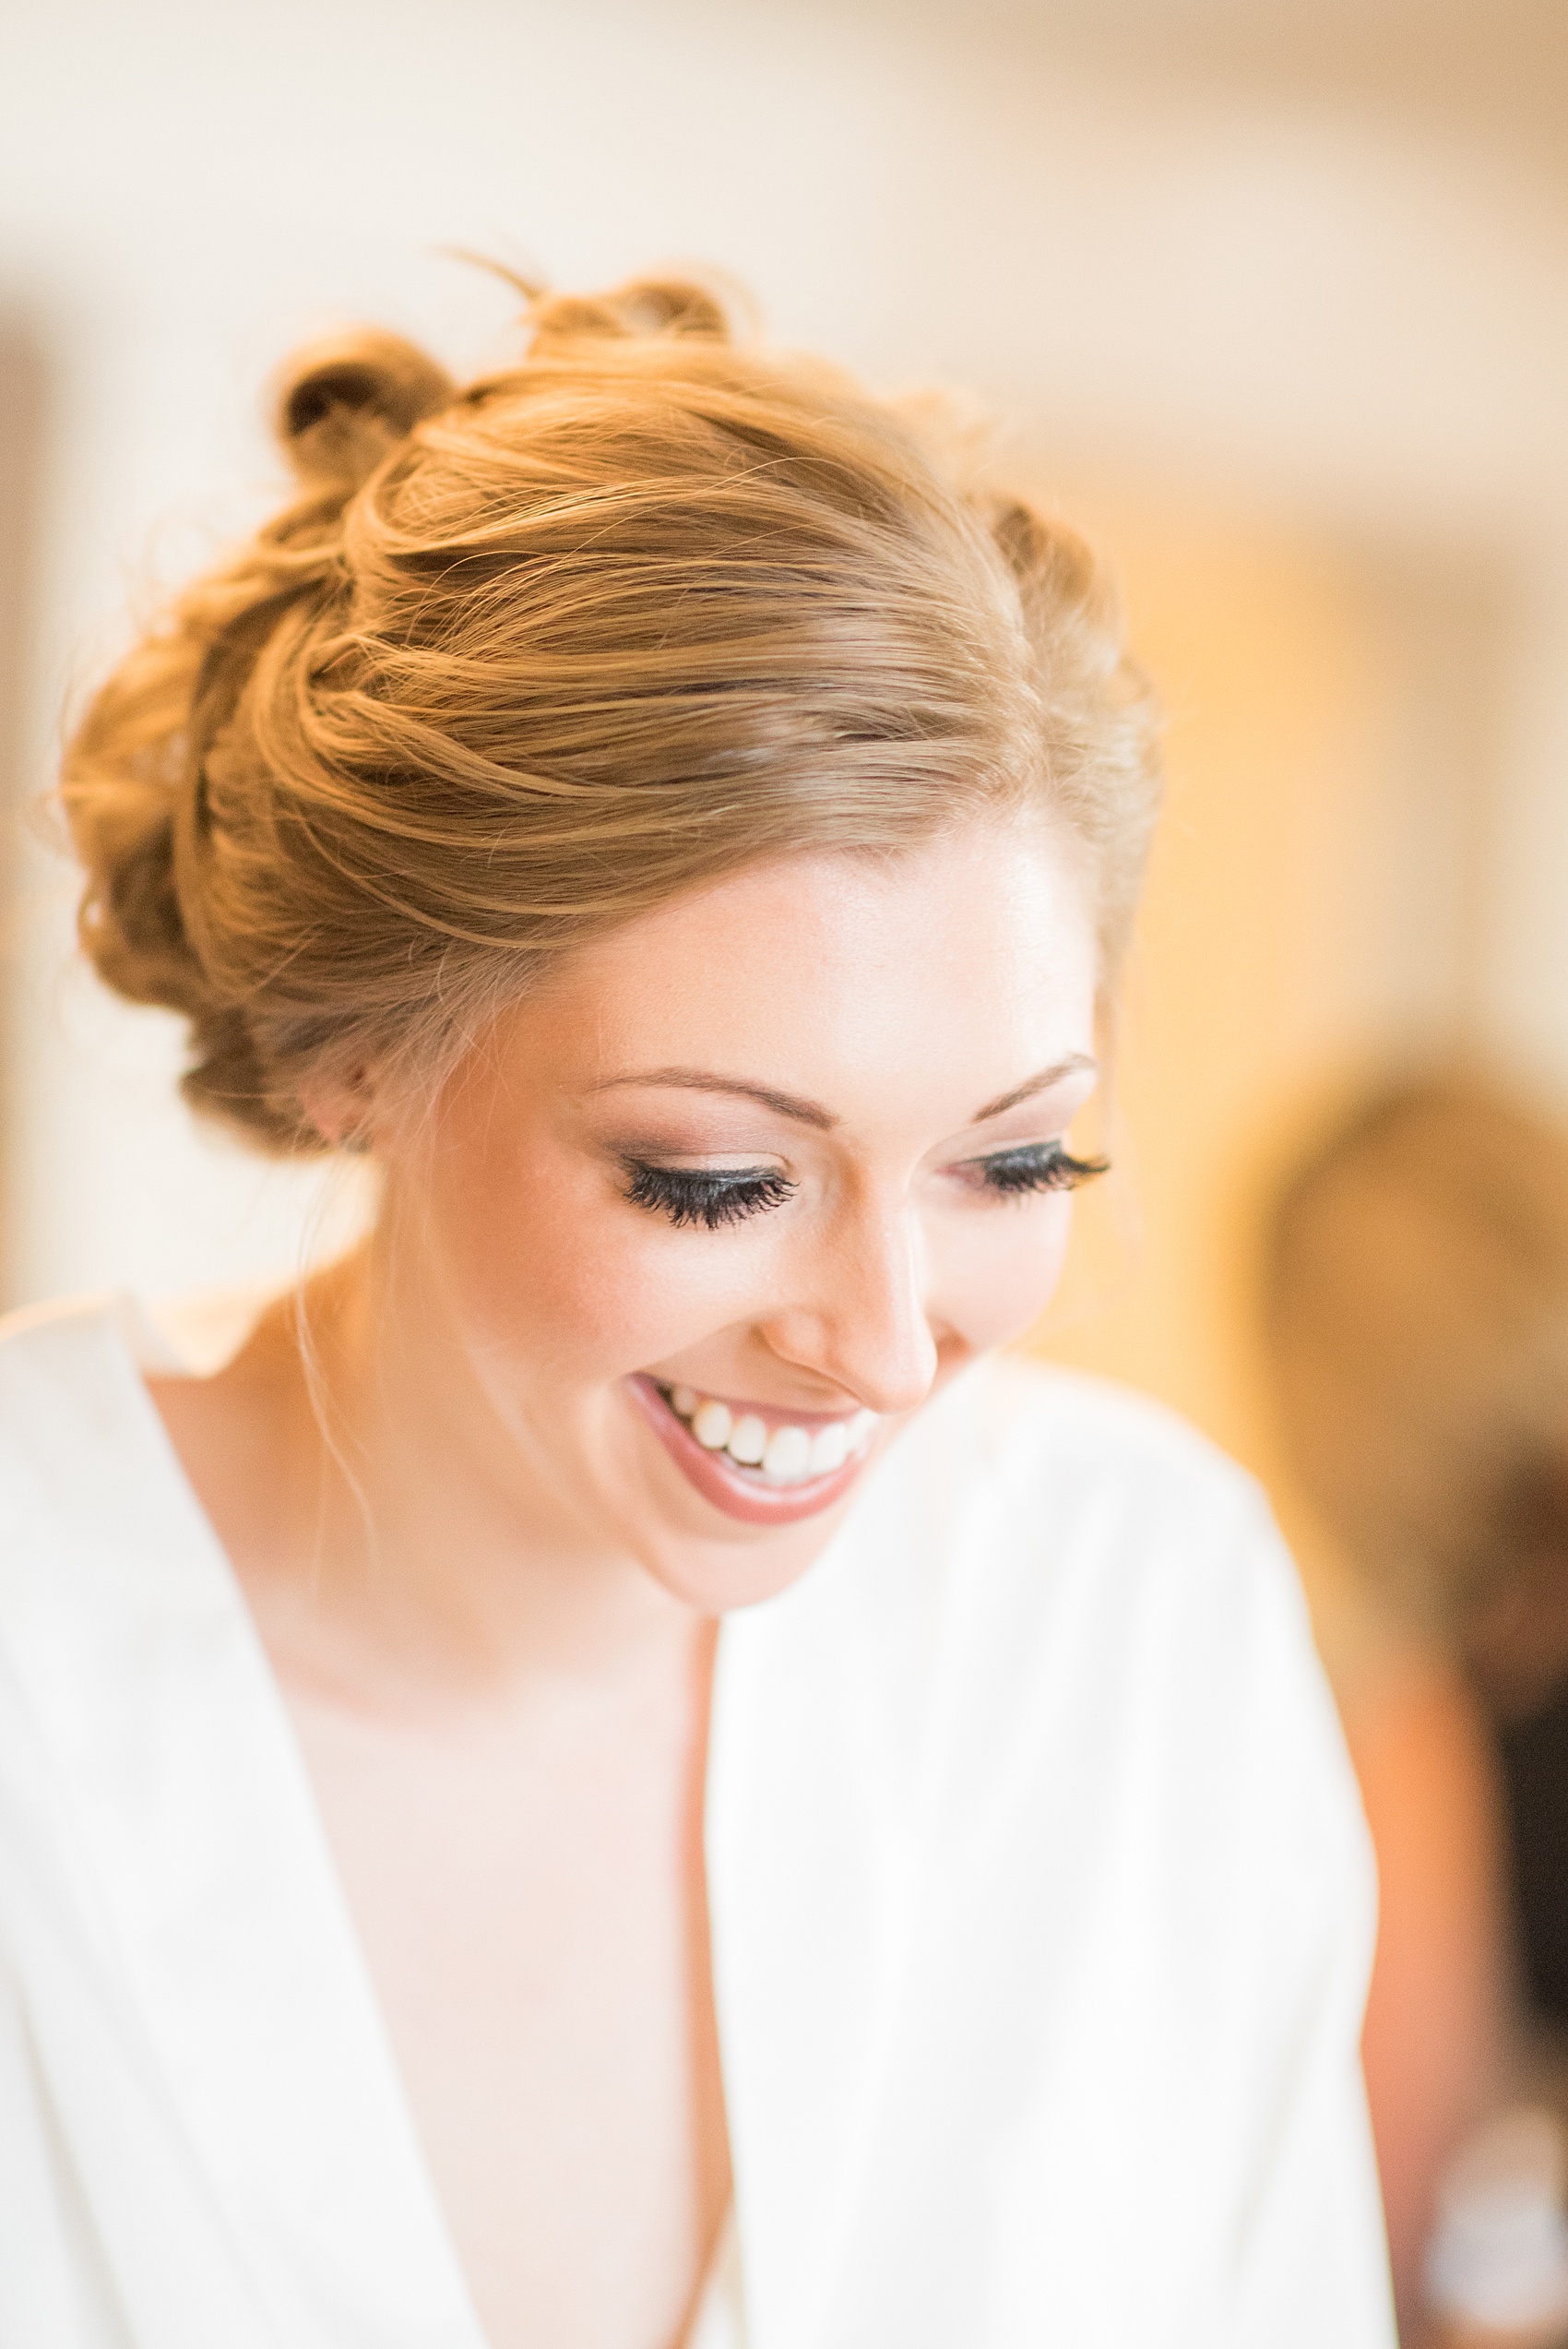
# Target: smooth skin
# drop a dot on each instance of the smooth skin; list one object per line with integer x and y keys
{"x": 488, "y": 1591}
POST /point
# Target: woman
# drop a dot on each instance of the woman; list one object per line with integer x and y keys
{"x": 596, "y": 1778}
{"x": 1418, "y": 1330}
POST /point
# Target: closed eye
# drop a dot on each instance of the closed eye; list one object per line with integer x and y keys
{"x": 688, "y": 1195}
{"x": 1043, "y": 1166}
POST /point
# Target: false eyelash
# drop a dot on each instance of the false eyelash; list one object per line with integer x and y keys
{"x": 691, "y": 1195}
{"x": 1016, "y": 1173}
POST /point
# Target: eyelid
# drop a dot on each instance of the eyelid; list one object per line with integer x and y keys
{"x": 1037, "y": 1167}
{"x": 1053, "y": 1145}
{"x": 701, "y": 1163}
{"x": 712, "y": 1195}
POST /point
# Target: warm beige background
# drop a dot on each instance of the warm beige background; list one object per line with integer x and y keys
{"x": 1276, "y": 290}
{"x": 1317, "y": 903}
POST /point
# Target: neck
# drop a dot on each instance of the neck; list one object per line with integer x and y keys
{"x": 427, "y": 1540}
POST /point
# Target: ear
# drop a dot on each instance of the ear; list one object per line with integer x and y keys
{"x": 343, "y": 1107}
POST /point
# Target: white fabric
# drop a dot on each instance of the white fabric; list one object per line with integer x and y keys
{"x": 1041, "y": 1914}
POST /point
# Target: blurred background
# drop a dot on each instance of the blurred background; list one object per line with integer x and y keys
{"x": 1274, "y": 294}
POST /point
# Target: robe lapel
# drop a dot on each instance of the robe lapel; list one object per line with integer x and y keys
{"x": 196, "y": 1825}
{"x": 826, "y": 1712}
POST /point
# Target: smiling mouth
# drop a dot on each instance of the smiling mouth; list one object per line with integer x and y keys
{"x": 775, "y": 1449}
{"x": 764, "y": 1466}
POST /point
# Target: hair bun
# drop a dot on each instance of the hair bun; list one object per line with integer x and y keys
{"x": 641, "y": 307}
{"x": 345, "y": 403}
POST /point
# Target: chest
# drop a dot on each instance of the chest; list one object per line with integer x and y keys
{"x": 529, "y": 1895}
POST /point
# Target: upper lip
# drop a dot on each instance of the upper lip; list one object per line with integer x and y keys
{"x": 783, "y": 1415}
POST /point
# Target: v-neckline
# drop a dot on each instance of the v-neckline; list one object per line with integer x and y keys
{"x": 225, "y": 1926}
{"x": 304, "y": 1928}
{"x": 411, "y": 2233}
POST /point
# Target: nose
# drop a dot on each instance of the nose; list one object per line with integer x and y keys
{"x": 859, "y": 1316}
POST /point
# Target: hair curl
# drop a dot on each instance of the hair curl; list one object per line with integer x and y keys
{"x": 523, "y": 659}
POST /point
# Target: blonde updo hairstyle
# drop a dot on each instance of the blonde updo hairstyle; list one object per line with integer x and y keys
{"x": 520, "y": 660}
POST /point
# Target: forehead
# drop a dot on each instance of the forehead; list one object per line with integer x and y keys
{"x": 970, "y": 956}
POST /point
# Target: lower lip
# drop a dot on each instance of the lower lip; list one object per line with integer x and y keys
{"x": 726, "y": 1487}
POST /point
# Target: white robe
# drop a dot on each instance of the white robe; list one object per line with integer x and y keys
{"x": 1041, "y": 1908}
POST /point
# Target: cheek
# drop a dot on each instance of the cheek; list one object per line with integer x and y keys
{"x": 998, "y": 1280}
{"x": 556, "y": 1273}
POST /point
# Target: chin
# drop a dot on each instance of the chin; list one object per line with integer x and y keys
{"x": 718, "y": 1533}
{"x": 719, "y": 1573}
{"x": 709, "y": 1559}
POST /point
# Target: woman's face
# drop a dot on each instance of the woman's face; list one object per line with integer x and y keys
{"x": 708, "y": 1219}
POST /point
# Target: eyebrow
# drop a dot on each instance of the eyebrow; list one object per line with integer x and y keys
{"x": 805, "y": 1112}
{"x": 707, "y": 1081}
{"x": 1041, "y": 1082}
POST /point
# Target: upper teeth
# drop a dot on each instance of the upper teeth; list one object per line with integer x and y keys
{"x": 784, "y": 1454}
